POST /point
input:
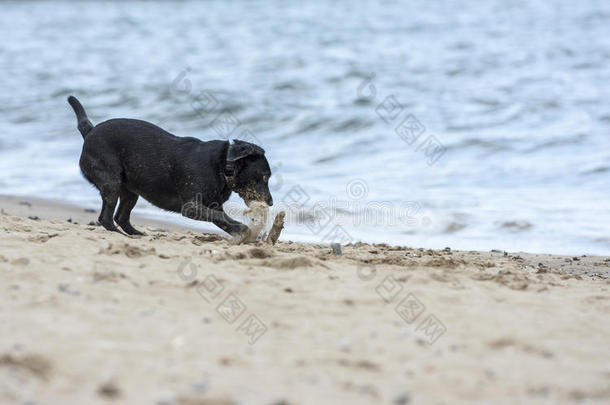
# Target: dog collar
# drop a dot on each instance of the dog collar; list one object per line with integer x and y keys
{"x": 229, "y": 169}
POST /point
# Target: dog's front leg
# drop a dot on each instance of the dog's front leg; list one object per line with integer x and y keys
{"x": 228, "y": 224}
{"x": 199, "y": 212}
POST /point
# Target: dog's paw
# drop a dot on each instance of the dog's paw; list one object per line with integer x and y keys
{"x": 243, "y": 236}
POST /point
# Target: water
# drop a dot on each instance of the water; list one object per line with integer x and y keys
{"x": 515, "y": 96}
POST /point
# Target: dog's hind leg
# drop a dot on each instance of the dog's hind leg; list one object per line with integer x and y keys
{"x": 128, "y": 200}
{"x": 110, "y": 196}
{"x": 105, "y": 174}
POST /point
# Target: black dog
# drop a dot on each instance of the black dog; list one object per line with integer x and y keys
{"x": 127, "y": 158}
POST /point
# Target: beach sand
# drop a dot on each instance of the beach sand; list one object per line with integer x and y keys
{"x": 179, "y": 317}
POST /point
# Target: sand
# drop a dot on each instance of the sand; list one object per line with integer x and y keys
{"x": 178, "y": 317}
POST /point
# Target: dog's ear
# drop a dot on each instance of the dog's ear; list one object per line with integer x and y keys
{"x": 241, "y": 149}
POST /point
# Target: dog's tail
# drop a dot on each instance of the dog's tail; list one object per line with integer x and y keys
{"x": 83, "y": 123}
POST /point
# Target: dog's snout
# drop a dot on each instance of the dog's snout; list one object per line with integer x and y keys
{"x": 270, "y": 201}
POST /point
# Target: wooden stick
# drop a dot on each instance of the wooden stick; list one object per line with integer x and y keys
{"x": 278, "y": 225}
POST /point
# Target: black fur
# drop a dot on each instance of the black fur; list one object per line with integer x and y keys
{"x": 127, "y": 158}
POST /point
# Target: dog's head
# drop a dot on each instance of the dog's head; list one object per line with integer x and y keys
{"x": 251, "y": 172}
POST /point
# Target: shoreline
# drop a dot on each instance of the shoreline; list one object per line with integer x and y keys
{"x": 23, "y": 206}
{"x": 45, "y": 208}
